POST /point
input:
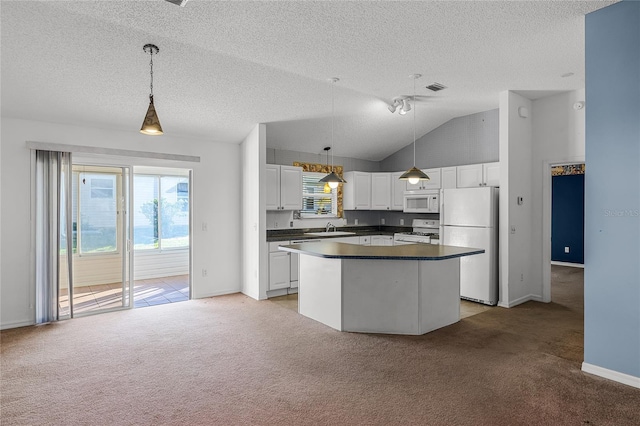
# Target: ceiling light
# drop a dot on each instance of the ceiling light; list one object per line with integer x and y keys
{"x": 395, "y": 105}
{"x": 414, "y": 174}
{"x": 151, "y": 124}
{"x": 332, "y": 178}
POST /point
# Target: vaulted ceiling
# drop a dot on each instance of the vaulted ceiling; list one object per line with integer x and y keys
{"x": 225, "y": 66}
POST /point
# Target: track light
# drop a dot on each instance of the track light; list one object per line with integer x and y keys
{"x": 395, "y": 105}
{"x": 406, "y": 107}
{"x": 400, "y": 101}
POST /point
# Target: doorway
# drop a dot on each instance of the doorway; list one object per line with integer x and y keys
{"x": 130, "y": 239}
{"x": 101, "y": 264}
{"x": 570, "y": 166}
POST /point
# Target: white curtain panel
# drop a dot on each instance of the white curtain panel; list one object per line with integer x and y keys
{"x": 54, "y": 236}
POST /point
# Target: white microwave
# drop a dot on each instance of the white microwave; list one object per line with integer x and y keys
{"x": 422, "y": 201}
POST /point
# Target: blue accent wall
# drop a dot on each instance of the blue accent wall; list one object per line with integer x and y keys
{"x": 612, "y": 189}
{"x": 567, "y": 218}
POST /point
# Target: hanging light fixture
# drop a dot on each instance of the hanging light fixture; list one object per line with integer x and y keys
{"x": 327, "y": 189}
{"x": 332, "y": 178}
{"x": 414, "y": 174}
{"x": 151, "y": 124}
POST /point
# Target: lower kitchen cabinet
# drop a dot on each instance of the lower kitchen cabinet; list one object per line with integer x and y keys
{"x": 279, "y": 270}
{"x": 283, "y": 269}
{"x": 381, "y": 240}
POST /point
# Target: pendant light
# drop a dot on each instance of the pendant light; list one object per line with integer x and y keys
{"x": 414, "y": 174}
{"x": 332, "y": 178}
{"x": 327, "y": 189}
{"x": 151, "y": 124}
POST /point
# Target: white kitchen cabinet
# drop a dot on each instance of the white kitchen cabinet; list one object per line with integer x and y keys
{"x": 381, "y": 240}
{"x": 380, "y": 191}
{"x": 348, "y": 240}
{"x": 432, "y": 183}
{"x": 356, "y": 193}
{"x": 491, "y": 174}
{"x": 279, "y": 266}
{"x": 449, "y": 177}
{"x": 397, "y": 191}
{"x": 293, "y": 270}
{"x": 483, "y": 174}
{"x": 284, "y": 187}
{"x": 469, "y": 176}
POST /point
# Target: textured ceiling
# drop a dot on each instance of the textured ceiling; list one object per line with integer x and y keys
{"x": 225, "y": 66}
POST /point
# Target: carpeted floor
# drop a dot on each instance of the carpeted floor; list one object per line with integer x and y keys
{"x": 232, "y": 360}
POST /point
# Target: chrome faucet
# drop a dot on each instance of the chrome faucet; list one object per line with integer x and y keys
{"x": 329, "y": 227}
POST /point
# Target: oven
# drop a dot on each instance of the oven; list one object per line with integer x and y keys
{"x": 424, "y": 231}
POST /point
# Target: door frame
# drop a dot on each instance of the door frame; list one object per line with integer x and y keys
{"x": 126, "y": 242}
{"x": 546, "y": 219}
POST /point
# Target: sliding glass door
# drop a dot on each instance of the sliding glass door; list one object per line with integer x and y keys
{"x": 101, "y": 242}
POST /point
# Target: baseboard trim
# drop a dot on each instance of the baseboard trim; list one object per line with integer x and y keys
{"x": 572, "y": 265}
{"x": 616, "y": 376}
{"x": 521, "y": 300}
{"x": 217, "y": 293}
{"x": 16, "y": 324}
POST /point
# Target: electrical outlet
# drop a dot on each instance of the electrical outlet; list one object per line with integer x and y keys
{"x": 355, "y": 221}
{"x": 204, "y": 272}
{"x": 205, "y": 226}
{"x": 382, "y": 221}
{"x": 513, "y": 229}
{"x": 566, "y": 249}
{"x": 521, "y": 277}
{"x": 401, "y": 221}
{"x": 276, "y": 224}
{"x": 291, "y": 224}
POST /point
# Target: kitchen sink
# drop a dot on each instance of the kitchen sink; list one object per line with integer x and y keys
{"x": 330, "y": 233}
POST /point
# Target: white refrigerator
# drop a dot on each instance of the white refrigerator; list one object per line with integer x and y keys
{"x": 469, "y": 218}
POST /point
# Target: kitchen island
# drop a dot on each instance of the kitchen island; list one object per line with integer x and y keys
{"x": 407, "y": 289}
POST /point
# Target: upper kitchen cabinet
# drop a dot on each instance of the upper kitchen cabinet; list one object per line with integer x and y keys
{"x": 449, "y": 177}
{"x": 284, "y": 187}
{"x": 432, "y": 183}
{"x": 473, "y": 175}
{"x": 356, "y": 192}
{"x": 397, "y": 191}
{"x": 491, "y": 173}
{"x": 380, "y": 191}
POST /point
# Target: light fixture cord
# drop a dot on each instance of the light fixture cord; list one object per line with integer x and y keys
{"x": 151, "y": 66}
{"x": 333, "y": 113}
{"x": 414, "y": 121}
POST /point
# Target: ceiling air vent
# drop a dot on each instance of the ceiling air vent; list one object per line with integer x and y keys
{"x": 436, "y": 87}
{"x": 178, "y": 2}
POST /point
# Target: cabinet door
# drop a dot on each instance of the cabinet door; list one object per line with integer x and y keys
{"x": 380, "y": 191}
{"x": 290, "y": 188}
{"x": 381, "y": 240}
{"x": 491, "y": 174}
{"x": 397, "y": 191}
{"x": 449, "y": 177}
{"x": 272, "y": 176}
{"x": 357, "y": 191}
{"x": 469, "y": 176}
{"x": 279, "y": 270}
{"x": 434, "y": 179}
{"x": 293, "y": 275}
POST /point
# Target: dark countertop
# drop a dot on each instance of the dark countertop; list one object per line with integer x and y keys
{"x": 332, "y": 250}
{"x": 300, "y": 234}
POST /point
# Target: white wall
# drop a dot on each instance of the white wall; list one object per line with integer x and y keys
{"x": 254, "y": 235}
{"x": 553, "y": 133}
{"x": 215, "y": 178}
{"x": 516, "y": 284}
{"x": 558, "y": 137}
